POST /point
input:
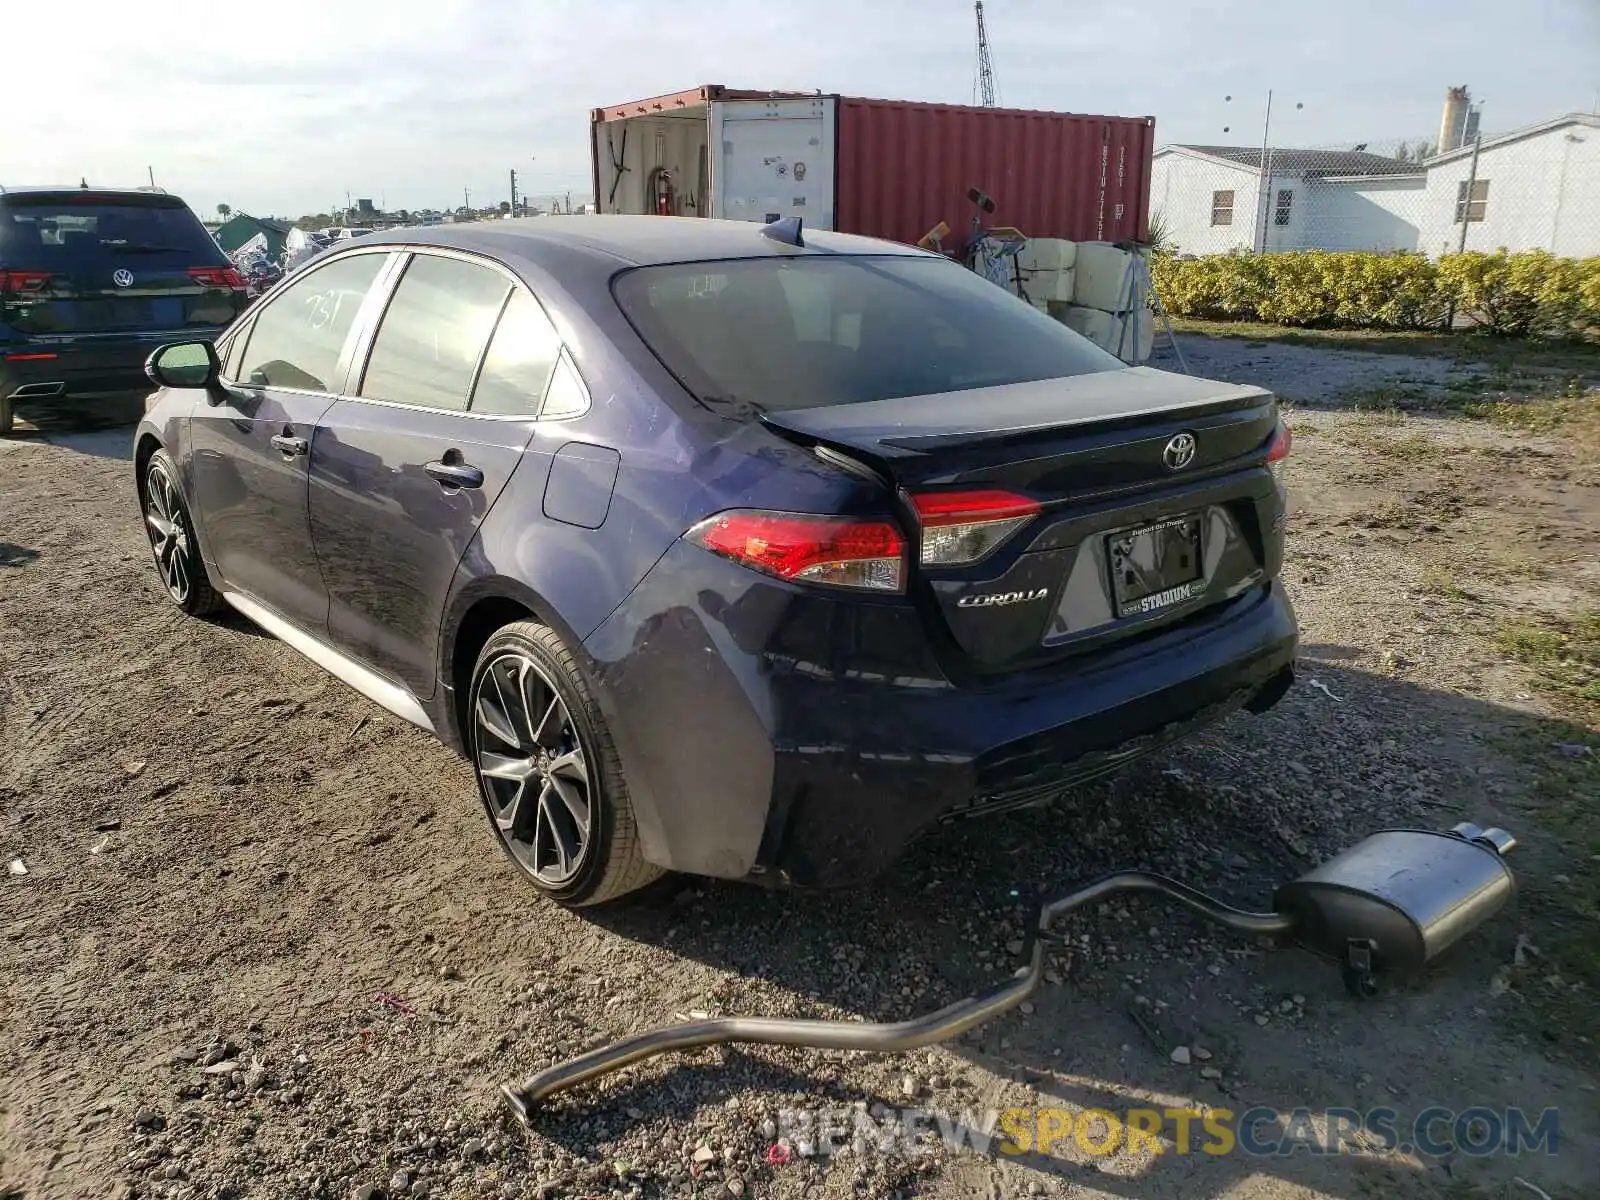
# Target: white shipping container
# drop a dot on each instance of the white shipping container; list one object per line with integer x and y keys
{"x": 740, "y": 160}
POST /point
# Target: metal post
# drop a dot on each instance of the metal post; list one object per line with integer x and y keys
{"x": 1266, "y": 172}
{"x": 1472, "y": 178}
{"x": 513, "y": 191}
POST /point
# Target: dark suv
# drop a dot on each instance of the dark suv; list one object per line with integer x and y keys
{"x": 91, "y": 281}
{"x": 734, "y": 551}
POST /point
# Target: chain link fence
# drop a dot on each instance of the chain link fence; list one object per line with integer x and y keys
{"x": 1536, "y": 188}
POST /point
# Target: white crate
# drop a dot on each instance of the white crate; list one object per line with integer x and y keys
{"x": 1102, "y": 277}
{"x": 1048, "y": 254}
{"x": 1048, "y": 285}
{"x": 1109, "y": 331}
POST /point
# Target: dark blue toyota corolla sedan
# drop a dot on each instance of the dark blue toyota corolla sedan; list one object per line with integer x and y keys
{"x": 716, "y": 548}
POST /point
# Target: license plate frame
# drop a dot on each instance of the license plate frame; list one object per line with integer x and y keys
{"x": 1156, "y": 566}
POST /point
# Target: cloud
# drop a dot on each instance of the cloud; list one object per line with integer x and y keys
{"x": 283, "y": 108}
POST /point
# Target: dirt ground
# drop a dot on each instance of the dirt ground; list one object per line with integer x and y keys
{"x": 264, "y": 946}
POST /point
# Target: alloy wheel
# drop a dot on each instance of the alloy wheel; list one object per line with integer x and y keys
{"x": 169, "y": 533}
{"x": 535, "y": 775}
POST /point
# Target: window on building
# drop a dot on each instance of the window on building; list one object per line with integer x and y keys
{"x": 1222, "y": 208}
{"x": 1285, "y": 207}
{"x": 1471, "y": 207}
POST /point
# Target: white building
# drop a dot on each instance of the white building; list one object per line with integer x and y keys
{"x": 1536, "y": 188}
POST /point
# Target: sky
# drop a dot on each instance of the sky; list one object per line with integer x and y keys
{"x": 284, "y": 108}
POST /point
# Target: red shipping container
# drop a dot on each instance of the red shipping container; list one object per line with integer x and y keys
{"x": 886, "y": 168}
{"x": 904, "y": 167}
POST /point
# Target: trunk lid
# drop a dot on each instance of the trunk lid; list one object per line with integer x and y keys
{"x": 1128, "y": 538}
{"x": 1056, "y": 439}
{"x": 84, "y": 262}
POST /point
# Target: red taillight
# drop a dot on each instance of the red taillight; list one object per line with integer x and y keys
{"x": 963, "y": 527}
{"x": 19, "y": 282}
{"x": 218, "y": 277}
{"x": 1278, "y": 448}
{"x": 838, "y": 551}
{"x": 29, "y": 357}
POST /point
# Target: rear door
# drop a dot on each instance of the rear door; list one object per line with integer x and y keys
{"x": 773, "y": 158}
{"x": 251, "y": 452}
{"x": 88, "y": 263}
{"x": 407, "y": 466}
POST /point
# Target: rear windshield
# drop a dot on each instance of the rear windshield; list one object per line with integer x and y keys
{"x": 786, "y": 333}
{"x": 46, "y": 231}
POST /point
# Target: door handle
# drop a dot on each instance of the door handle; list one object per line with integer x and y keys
{"x": 455, "y": 474}
{"x": 289, "y": 444}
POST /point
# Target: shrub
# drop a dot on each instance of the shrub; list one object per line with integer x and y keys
{"x": 1531, "y": 293}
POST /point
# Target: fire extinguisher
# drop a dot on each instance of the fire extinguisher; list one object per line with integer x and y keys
{"x": 666, "y": 196}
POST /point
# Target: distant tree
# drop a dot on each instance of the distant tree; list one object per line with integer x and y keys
{"x": 224, "y": 211}
{"x": 1403, "y": 154}
{"x": 505, "y": 208}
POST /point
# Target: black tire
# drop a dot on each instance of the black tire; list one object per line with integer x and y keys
{"x": 8, "y": 415}
{"x": 532, "y": 725}
{"x": 173, "y": 541}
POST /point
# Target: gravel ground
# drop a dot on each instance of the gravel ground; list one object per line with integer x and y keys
{"x": 263, "y": 946}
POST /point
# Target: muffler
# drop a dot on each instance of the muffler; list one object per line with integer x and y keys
{"x": 1392, "y": 903}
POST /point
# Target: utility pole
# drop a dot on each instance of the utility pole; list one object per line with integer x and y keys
{"x": 466, "y": 200}
{"x": 514, "y": 194}
{"x": 1466, "y": 201}
{"x": 1265, "y": 168}
{"x": 151, "y": 171}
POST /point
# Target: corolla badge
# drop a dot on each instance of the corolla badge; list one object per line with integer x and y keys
{"x": 1001, "y": 599}
{"x": 122, "y": 277}
{"x": 1179, "y": 452}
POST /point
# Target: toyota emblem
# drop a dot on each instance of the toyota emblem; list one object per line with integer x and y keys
{"x": 1179, "y": 452}
{"x": 122, "y": 277}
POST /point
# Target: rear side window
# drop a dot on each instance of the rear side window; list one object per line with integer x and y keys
{"x": 434, "y": 332}
{"x": 61, "y": 232}
{"x": 296, "y": 341}
{"x": 521, "y": 356}
{"x": 786, "y": 333}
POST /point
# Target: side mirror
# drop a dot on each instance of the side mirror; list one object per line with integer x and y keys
{"x": 184, "y": 365}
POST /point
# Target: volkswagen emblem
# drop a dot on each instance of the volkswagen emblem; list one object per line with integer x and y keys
{"x": 1179, "y": 452}
{"x": 122, "y": 277}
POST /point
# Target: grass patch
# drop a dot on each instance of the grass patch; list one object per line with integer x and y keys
{"x": 1438, "y": 582}
{"x": 1563, "y": 657}
{"x": 1463, "y": 345}
{"x": 1572, "y": 410}
{"x": 1409, "y": 448}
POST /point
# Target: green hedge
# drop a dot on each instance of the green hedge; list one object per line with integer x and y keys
{"x": 1529, "y": 294}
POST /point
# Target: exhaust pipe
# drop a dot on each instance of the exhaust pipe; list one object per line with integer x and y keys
{"x": 38, "y": 391}
{"x": 1392, "y": 903}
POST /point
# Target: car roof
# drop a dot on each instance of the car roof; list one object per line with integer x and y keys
{"x": 613, "y": 241}
{"x": 160, "y": 196}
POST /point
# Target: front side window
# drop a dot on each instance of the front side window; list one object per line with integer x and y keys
{"x": 521, "y": 356}
{"x": 433, "y": 333}
{"x": 788, "y": 333}
{"x": 296, "y": 341}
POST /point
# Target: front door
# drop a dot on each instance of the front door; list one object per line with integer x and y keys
{"x": 404, "y": 472}
{"x": 251, "y": 453}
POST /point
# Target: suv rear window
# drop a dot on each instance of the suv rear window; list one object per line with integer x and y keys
{"x": 57, "y": 230}
{"x": 807, "y": 332}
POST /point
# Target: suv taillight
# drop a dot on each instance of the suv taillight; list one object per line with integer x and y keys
{"x": 22, "y": 282}
{"x": 1278, "y": 450}
{"x": 959, "y": 528}
{"x": 218, "y": 277}
{"x": 841, "y": 552}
